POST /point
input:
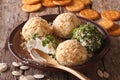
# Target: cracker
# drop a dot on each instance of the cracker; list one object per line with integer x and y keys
{"x": 115, "y": 31}
{"x": 111, "y": 15}
{"x": 31, "y": 8}
{"x": 107, "y": 24}
{"x": 61, "y": 2}
{"x": 90, "y": 14}
{"x": 86, "y": 2}
{"x": 30, "y": 1}
{"x": 48, "y": 3}
{"x": 75, "y": 5}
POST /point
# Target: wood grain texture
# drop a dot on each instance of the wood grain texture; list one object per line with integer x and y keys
{"x": 111, "y": 60}
{"x": 11, "y": 15}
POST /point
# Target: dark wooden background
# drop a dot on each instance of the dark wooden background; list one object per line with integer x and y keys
{"x": 11, "y": 15}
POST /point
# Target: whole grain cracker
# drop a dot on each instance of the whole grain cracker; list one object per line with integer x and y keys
{"x": 75, "y": 5}
{"x": 31, "y": 8}
{"x": 90, "y": 14}
{"x": 86, "y": 2}
{"x": 61, "y": 2}
{"x": 30, "y": 1}
{"x": 115, "y": 31}
{"x": 48, "y": 3}
{"x": 107, "y": 24}
{"x": 110, "y": 15}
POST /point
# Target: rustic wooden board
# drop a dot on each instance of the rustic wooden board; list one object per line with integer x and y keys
{"x": 112, "y": 59}
{"x": 10, "y": 13}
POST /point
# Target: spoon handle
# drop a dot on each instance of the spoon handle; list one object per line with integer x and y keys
{"x": 74, "y": 72}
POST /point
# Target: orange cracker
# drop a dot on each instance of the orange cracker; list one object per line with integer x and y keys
{"x": 75, "y": 5}
{"x": 86, "y": 2}
{"x": 111, "y": 15}
{"x": 107, "y": 24}
{"x": 115, "y": 32}
{"x": 31, "y": 8}
{"x": 30, "y": 1}
{"x": 61, "y": 2}
{"x": 48, "y": 3}
{"x": 90, "y": 14}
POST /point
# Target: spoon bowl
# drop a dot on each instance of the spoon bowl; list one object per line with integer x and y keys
{"x": 39, "y": 57}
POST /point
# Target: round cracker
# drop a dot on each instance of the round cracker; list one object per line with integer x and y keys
{"x": 90, "y": 14}
{"x": 31, "y": 8}
{"x": 107, "y": 24}
{"x": 61, "y": 2}
{"x": 75, "y": 5}
{"x": 86, "y": 2}
{"x": 30, "y": 1}
{"x": 111, "y": 15}
{"x": 115, "y": 32}
{"x": 48, "y": 3}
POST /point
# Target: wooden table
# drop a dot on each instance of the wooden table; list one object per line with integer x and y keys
{"x": 11, "y": 15}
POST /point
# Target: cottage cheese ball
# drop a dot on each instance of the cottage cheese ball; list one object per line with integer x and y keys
{"x": 35, "y": 25}
{"x": 71, "y": 53}
{"x": 64, "y": 24}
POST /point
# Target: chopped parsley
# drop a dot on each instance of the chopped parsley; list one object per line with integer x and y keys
{"x": 35, "y": 36}
{"x": 89, "y": 37}
{"x": 49, "y": 39}
{"x": 52, "y": 55}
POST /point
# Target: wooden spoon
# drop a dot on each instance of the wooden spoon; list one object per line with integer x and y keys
{"x": 37, "y": 54}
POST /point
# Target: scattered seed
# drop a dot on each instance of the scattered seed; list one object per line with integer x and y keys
{"x": 100, "y": 73}
{"x": 106, "y": 74}
{"x": 15, "y": 64}
{"x": 21, "y": 64}
{"x": 3, "y": 67}
{"x": 16, "y": 73}
{"x": 30, "y": 77}
{"x": 24, "y": 67}
{"x": 22, "y": 77}
{"x": 38, "y": 76}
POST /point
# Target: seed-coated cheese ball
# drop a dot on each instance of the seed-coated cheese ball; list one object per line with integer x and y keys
{"x": 64, "y": 24}
{"x": 71, "y": 53}
{"x": 35, "y": 25}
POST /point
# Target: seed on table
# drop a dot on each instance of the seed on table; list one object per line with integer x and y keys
{"x": 15, "y": 64}
{"x": 106, "y": 74}
{"x": 30, "y": 77}
{"x": 100, "y": 73}
{"x": 24, "y": 67}
{"x": 21, "y": 64}
{"x": 38, "y": 76}
{"x": 3, "y": 67}
{"x": 16, "y": 73}
{"x": 22, "y": 77}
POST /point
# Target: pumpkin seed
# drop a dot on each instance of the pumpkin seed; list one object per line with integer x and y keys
{"x": 16, "y": 73}
{"x": 3, "y": 67}
{"x": 38, "y": 76}
{"x": 100, "y": 73}
{"x": 106, "y": 74}
{"x": 24, "y": 67}
{"x": 15, "y": 64}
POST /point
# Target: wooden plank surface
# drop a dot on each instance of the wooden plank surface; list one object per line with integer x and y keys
{"x": 11, "y": 15}
{"x": 112, "y": 59}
